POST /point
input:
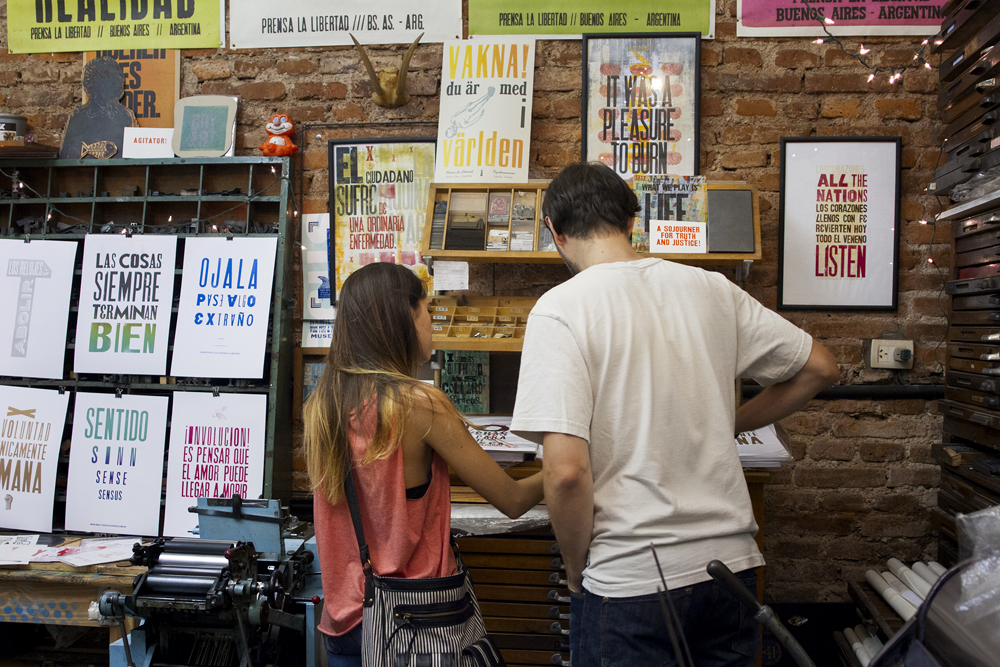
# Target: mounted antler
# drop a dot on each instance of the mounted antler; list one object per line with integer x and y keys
{"x": 389, "y": 85}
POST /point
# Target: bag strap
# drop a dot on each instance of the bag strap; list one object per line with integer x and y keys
{"x": 351, "y": 494}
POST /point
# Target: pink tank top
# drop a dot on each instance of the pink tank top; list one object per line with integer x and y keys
{"x": 406, "y": 538}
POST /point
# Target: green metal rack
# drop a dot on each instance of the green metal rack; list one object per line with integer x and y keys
{"x": 67, "y": 199}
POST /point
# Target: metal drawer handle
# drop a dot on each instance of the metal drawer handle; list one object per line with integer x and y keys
{"x": 554, "y": 595}
{"x": 557, "y": 629}
{"x": 554, "y": 613}
{"x": 554, "y": 578}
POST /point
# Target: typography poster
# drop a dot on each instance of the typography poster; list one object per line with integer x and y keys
{"x": 126, "y": 294}
{"x": 465, "y": 378}
{"x": 547, "y": 19}
{"x": 673, "y": 215}
{"x": 306, "y": 23}
{"x": 152, "y": 83}
{"x": 35, "y": 283}
{"x": 378, "y": 197}
{"x": 225, "y": 301}
{"x": 316, "y": 285}
{"x": 776, "y": 18}
{"x": 31, "y": 431}
{"x": 838, "y": 217}
{"x": 484, "y": 127}
{"x": 641, "y": 101}
{"x": 216, "y": 450}
{"x": 116, "y": 464}
{"x": 46, "y": 26}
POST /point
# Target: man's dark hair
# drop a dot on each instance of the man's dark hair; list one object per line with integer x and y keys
{"x": 589, "y": 199}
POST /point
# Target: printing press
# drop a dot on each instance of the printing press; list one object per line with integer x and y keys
{"x": 246, "y": 594}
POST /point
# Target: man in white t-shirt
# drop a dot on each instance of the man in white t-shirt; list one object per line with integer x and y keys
{"x": 628, "y": 379}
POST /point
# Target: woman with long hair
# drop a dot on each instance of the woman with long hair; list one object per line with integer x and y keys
{"x": 401, "y": 435}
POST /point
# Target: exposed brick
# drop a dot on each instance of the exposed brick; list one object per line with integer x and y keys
{"x": 333, "y": 90}
{"x": 296, "y": 65}
{"x": 843, "y": 502}
{"x": 8, "y": 78}
{"x": 816, "y": 524}
{"x": 898, "y": 503}
{"x": 755, "y": 108}
{"x": 710, "y": 57}
{"x": 894, "y": 525}
{"x": 711, "y": 106}
{"x": 881, "y": 451}
{"x": 840, "y": 108}
{"x": 725, "y": 82}
{"x": 801, "y": 109}
{"x": 557, "y": 78}
{"x": 822, "y": 82}
{"x": 914, "y": 476}
{"x": 212, "y": 69}
{"x": 904, "y": 109}
{"x": 797, "y": 58}
{"x": 840, "y": 477}
{"x": 34, "y": 96}
{"x": 794, "y": 548}
{"x": 567, "y": 108}
{"x": 347, "y": 112}
{"x": 836, "y": 57}
{"x": 8, "y": 57}
{"x": 737, "y": 56}
{"x": 791, "y": 500}
{"x": 743, "y": 159}
{"x": 725, "y": 30}
{"x": 849, "y": 427}
{"x": 832, "y": 450}
{"x": 218, "y": 88}
{"x": 251, "y": 68}
{"x": 40, "y": 73}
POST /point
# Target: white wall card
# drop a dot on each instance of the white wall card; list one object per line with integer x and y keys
{"x": 30, "y": 434}
{"x": 126, "y": 293}
{"x": 216, "y": 450}
{"x": 223, "y": 313}
{"x": 35, "y": 283}
{"x": 116, "y": 464}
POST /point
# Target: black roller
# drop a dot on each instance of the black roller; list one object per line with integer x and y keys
{"x": 206, "y": 547}
{"x": 186, "y": 571}
{"x": 169, "y": 583}
{"x": 203, "y": 561}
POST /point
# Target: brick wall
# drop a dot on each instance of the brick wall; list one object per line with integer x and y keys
{"x": 863, "y": 479}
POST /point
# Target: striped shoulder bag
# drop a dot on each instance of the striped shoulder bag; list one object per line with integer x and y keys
{"x": 429, "y": 622}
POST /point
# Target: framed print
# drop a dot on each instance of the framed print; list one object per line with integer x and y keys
{"x": 838, "y": 216}
{"x": 641, "y": 96}
{"x": 378, "y": 203}
{"x": 310, "y": 362}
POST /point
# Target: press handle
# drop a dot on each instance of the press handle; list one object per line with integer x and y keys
{"x": 725, "y": 578}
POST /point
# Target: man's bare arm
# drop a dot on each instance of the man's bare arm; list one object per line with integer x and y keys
{"x": 569, "y": 495}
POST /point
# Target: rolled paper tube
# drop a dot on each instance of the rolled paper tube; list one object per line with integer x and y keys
{"x": 915, "y": 582}
{"x": 924, "y": 572}
{"x": 895, "y": 566}
{"x": 902, "y": 589}
{"x": 937, "y": 568}
{"x": 891, "y": 597}
{"x": 864, "y": 637}
{"x": 859, "y": 649}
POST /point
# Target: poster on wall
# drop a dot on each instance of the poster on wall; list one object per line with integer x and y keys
{"x": 126, "y": 294}
{"x": 484, "y": 124}
{"x": 303, "y": 23}
{"x": 152, "y": 83}
{"x": 777, "y": 18}
{"x": 465, "y": 378}
{"x": 641, "y": 98}
{"x": 567, "y": 19}
{"x": 216, "y": 450}
{"x": 316, "y": 333}
{"x": 116, "y": 464}
{"x": 378, "y": 195}
{"x": 316, "y": 288}
{"x": 225, "y": 302}
{"x": 31, "y": 432}
{"x": 35, "y": 283}
{"x": 48, "y": 26}
{"x": 838, "y": 223}
{"x": 673, "y": 215}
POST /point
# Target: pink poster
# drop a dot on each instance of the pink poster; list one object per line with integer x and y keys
{"x": 772, "y": 18}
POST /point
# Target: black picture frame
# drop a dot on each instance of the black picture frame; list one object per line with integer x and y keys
{"x": 682, "y": 44}
{"x": 341, "y": 209}
{"x": 838, "y": 233}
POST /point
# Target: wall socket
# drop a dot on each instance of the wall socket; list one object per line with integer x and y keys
{"x": 890, "y": 353}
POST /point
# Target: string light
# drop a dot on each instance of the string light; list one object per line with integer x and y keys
{"x": 895, "y": 73}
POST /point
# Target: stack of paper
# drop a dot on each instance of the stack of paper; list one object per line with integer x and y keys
{"x": 763, "y": 448}
{"x": 494, "y": 435}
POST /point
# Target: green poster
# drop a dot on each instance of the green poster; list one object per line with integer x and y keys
{"x": 574, "y": 17}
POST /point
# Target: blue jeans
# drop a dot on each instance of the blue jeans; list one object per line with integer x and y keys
{"x": 345, "y": 650}
{"x": 611, "y": 632}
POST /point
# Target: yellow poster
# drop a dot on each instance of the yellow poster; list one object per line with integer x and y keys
{"x": 47, "y": 26}
{"x": 152, "y": 83}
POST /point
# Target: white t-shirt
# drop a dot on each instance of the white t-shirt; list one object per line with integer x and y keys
{"x": 640, "y": 359}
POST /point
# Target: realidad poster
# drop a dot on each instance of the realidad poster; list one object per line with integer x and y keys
{"x": 216, "y": 450}
{"x": 260, "y": 24}
{"x": 116, "y": 463}
{"x": 225, "y": 301}
{"x": 152, "y": 83}
{"x": 126, "y": 295}
{"x": 30, "y": 435}
{"x": 776, "y": 18}
{"x": 484, "y": 126}
{"x": 378, "y": 201}
{"x": 46, "y": 26}
{"x": 36, "y": 279}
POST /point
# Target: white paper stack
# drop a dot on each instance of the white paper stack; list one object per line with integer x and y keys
{"x": 763, "y": 448}
{"x": 495, "y": 437}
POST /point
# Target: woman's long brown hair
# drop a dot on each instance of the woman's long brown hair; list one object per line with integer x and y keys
{"x": 374, "y": 355}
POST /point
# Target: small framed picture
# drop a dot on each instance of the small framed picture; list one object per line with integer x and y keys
{"x": 641, "y": 95}
{"x": 838, "y": 214}
{"x": 310, "y": 362}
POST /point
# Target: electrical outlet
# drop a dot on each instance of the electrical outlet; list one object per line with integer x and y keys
{"x": 888, "y": 353}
